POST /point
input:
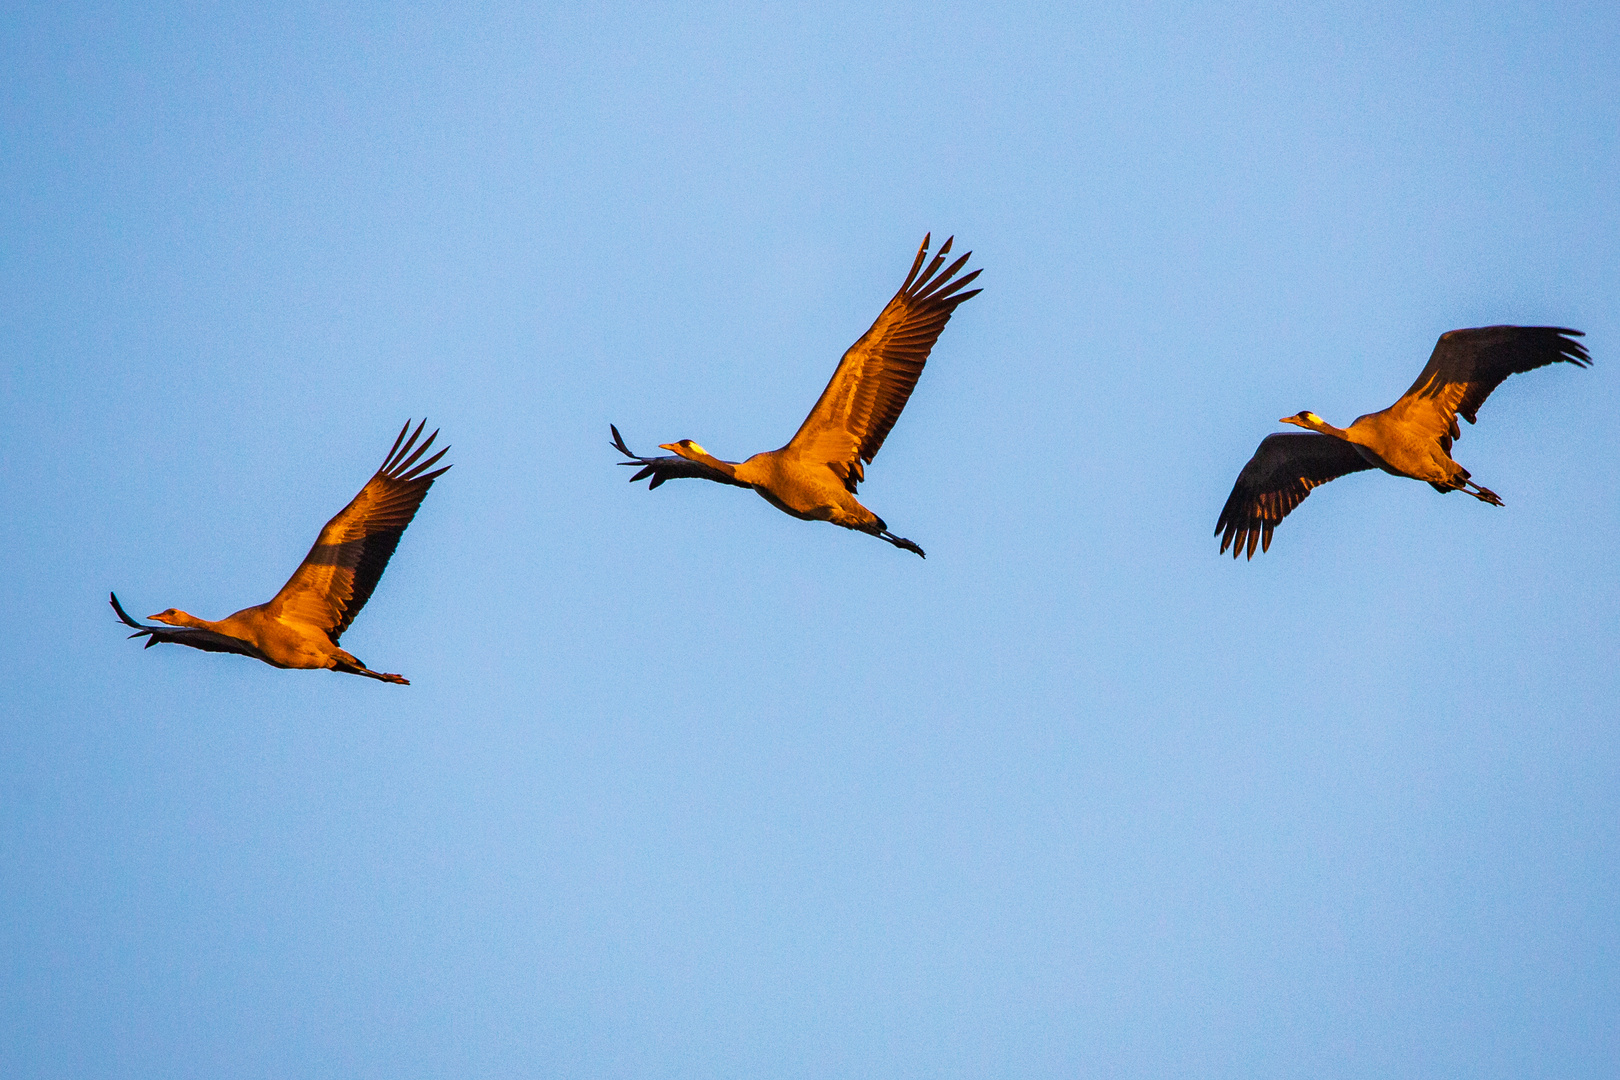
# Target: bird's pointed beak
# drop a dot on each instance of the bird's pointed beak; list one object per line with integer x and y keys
{"x": 673, "y": 448}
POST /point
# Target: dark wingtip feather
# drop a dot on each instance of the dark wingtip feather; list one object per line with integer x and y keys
{"x": 404, "y": 466}
{"x": 123, "y": 616}
{"x": 399, "y": 439}
{"x": 416, "y": 471}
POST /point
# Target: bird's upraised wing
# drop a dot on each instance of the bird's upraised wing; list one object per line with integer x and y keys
{"x": 876, "y": 376}
{"x": 1467, "y": 365}
{"x": 670, "y": 467}
{"x": 194, "y": 636}
{"x": 1277, "y": 479}
{"x": 338, "y": 575}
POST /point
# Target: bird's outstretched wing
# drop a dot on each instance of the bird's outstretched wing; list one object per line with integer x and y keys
{"x": 338, "y": 575}
{"x": 1277, "y": 479}
{"x": 672, "y": 467}
{"x": 876, "y": 376}
{"x": 1467, "y": 365}
{"x": 195, "y": 637}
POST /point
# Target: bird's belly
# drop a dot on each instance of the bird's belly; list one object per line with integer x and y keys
{"x": 1372, "y": 458}
{"x": 797, "y": 503}
{"x": 293, "y": 646}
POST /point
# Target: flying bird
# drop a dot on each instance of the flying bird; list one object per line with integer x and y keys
{"x": 814, "y": 476}
{"x": 300, "y": 626}
{"x": 1411, "y": 438}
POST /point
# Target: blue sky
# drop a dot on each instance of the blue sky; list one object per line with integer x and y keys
{"x": 684, "y": 787}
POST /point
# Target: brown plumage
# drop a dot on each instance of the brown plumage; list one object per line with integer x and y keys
{"x": 814, "y": 476}
{"x": 1411, "y": 438}
{"x": 300, "y": 626}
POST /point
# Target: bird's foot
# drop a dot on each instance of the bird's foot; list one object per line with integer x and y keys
{"x": 380, "y": 676}
{"x": 1483, "y": 494}
{"x": 901, "y": 542}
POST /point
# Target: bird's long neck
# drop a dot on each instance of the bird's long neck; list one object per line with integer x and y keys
{"x": 725, "y": 468}
{"x": 1326, "y": 428}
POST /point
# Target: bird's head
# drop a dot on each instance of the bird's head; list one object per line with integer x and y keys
{"x": 1305, "y": 419}
{"x": 686, "y": 448}
{"x": 173, "y": 616}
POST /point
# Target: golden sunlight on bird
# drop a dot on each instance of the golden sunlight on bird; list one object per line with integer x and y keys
{"x": 1411, "y": 438}
{"x": 300, "y": 626}
{"x": 815, "y": 475}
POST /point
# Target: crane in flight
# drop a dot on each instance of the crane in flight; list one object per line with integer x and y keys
{"x": 814, "y": 476}
{"x": 300, "y": 626}
{"x": 1411, "y": 438}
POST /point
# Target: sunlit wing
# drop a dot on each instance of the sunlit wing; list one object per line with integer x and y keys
{"x": 1467, "y": 365}
{"x": 339, "y": 573}
{"x": 1277, "y": 478}
{"x": 876, "y": 376}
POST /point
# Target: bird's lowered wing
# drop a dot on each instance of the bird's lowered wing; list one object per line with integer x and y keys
{"x": 338, "y": 575}
{"x": 195, "y": 637}
{"x": 1277, "y": 478}
{"x": 671, "y": 467}
{"x": 1467, "y": 365}
{"x": 876, "y": 376}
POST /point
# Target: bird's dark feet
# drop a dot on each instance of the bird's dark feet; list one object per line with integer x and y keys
{"x": 1483, "y": 494}
{"x": 381, "y": 676}
{"x": 901, "y": 542}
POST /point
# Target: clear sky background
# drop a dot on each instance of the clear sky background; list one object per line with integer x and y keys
{"x": 684, "y": 787}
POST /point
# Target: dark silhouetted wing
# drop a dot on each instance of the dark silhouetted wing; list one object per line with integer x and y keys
{"x": 1277, "y": 479}
{"x": 672, "y": 467}
{"x": 339, "y": 573}
{"x": 195, "y": 637}
{"x": 876, "y": 376}
{"x": 1467, "y": 365}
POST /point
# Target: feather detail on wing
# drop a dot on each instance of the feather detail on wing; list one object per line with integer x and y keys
{"x": 1277, "y": 478}
{"x": 876, "y": 376}
{"x": 338, "y": 575}
{"x": 1467, "y": 365}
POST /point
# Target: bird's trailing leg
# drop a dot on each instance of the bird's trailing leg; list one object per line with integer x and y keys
{"x": 900, "y": 542}
{"x": 358, "y": 668}
{"x": 1483, "y": 494}
{"x": 387, "y": 677}
{"x": 383, "y": 676}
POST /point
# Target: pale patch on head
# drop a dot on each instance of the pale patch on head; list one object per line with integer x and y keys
{"x": 690, "y": 445}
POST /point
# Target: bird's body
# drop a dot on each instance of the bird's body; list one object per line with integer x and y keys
{"x": 1412, "y": 438}
{"x": 814, "y": 476}
{"x": 301, "y": 625}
